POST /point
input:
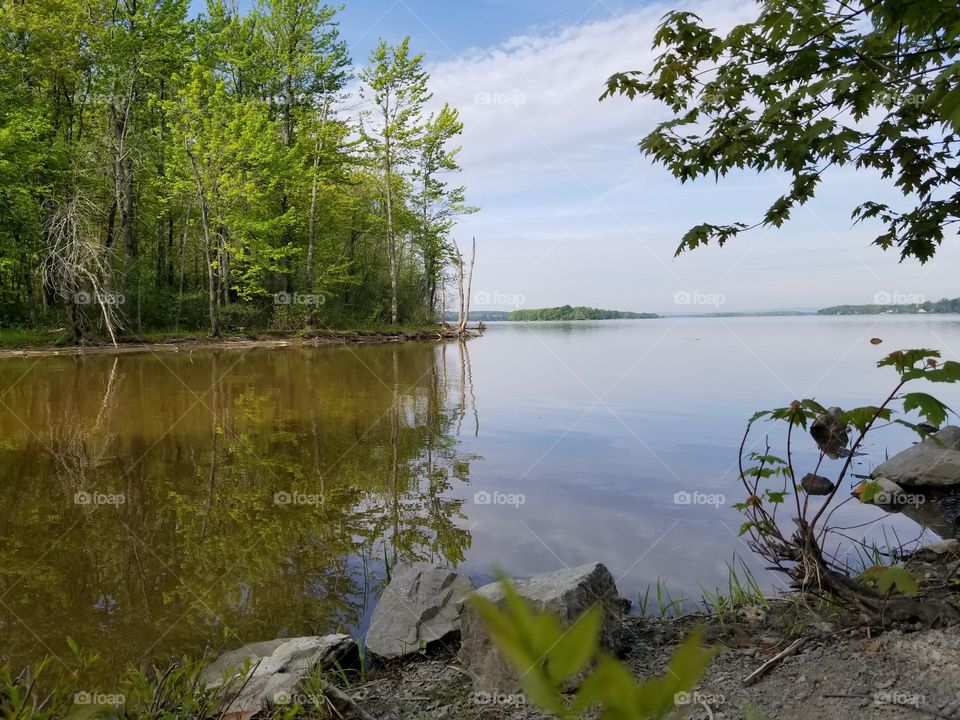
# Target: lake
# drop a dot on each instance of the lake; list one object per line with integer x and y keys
{"x": 156, "y": 505}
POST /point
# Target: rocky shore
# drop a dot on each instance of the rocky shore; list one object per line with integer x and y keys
{"x": 428, "y": 656}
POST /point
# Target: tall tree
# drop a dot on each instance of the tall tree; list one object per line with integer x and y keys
{"x": 396, "y": 86}
{"x": 438, "y": 205}
{"x": 196, "y": 166}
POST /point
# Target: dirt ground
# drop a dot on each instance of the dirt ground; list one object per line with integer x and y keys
{"x": 848, "y": 673}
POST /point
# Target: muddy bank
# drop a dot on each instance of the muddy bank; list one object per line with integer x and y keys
{"x": 181, "y": 344}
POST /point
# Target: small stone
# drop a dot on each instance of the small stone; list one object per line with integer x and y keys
{"x": 816, "y": 484}
{"x": 944, "y": 547}
{"x": 830, "y": 434}
{"x": 887, "y": 493}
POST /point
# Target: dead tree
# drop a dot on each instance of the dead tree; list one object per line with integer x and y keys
{"x": 77, "y": 272}
{"x": 464, "y": 276}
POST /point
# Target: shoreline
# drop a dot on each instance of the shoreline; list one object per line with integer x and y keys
{"x": 824, "y": 669}
{"x": 174, "y": 344}
{"x": 786, "y": 656}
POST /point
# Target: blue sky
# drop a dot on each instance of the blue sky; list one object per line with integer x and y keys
{"x": 444, "y": 28}
{"x": 572, "y": 212}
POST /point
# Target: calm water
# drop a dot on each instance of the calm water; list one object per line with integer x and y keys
{"x": 154, "y": 506}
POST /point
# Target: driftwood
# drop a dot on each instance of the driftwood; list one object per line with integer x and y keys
{"x": 345, "y": 705}
{"x": 774, "y": 661}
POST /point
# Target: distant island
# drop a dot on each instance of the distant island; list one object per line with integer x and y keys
{"x": 940, "y": 307}
{"x": 566, "y": 312}
{"x": 479, "y": 315}
{"x": 757, "y": 313}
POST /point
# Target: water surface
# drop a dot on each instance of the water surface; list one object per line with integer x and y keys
{"x": 160, "y": 505}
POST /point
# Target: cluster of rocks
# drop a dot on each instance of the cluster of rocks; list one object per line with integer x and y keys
{"x": 422, "y": 606}
{"x": 932, "y": 463}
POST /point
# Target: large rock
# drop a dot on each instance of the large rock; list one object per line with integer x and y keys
{"x": 935, "y": 462}
{"x": 566, "y": 593}
{"x": 419, "y": 606}
{"x": 261, "y": 674}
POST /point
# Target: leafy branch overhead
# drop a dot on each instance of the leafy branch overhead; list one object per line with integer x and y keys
{"x": 809, "y": 86}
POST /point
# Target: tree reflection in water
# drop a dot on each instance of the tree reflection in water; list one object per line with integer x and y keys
{"x": 161, "y": 505}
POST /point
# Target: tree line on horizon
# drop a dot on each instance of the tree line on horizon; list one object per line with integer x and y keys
{"x": 940, "y": 306}
{"x": 164, "y": 171}
{"x": 568, "y": 312}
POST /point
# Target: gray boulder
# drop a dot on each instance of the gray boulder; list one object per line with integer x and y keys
{"x": 566, "y": 593}
{"x": 935, "y": 462}
{"x": 266, "y": 673}
{"x": 420, "y": 606}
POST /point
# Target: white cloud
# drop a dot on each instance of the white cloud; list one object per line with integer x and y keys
{"x": 573, "y": 212}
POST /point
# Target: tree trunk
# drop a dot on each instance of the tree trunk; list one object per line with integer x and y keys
{"x": 465, "y": 297}
{"x": 211, "y": 276}
{"x": 391, "y": 247}
{"x": 183, "y": 253}
{"x": 318, "y": 147}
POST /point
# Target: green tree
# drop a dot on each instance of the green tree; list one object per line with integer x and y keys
{"x": 396, "y": 85}
{"x": 809, "y": 86}
{"x": 437, "y": 204}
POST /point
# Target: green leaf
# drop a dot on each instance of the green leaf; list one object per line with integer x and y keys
{"x": 814, "y": 406}
{"x": 861, "y": 417}
{"x": 903, "y": 360}
{"x": 576, "y": 647}
{"x": 947, "y": 372}
{"x": 894, "y": 576}
{"x": 934, "y": 411}
{"x": 868, "y": 491}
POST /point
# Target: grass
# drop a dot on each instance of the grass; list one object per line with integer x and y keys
{"x": 667, "y": 606}
{"x": 18, "y": 338}
{"x": 743, "y": 591}
{"x": 178, "y": 692}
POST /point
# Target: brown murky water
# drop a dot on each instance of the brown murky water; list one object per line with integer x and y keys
{"x": 161, "y": 505}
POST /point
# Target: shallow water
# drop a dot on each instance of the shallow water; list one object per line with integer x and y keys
{"x": 160, "y": 505}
